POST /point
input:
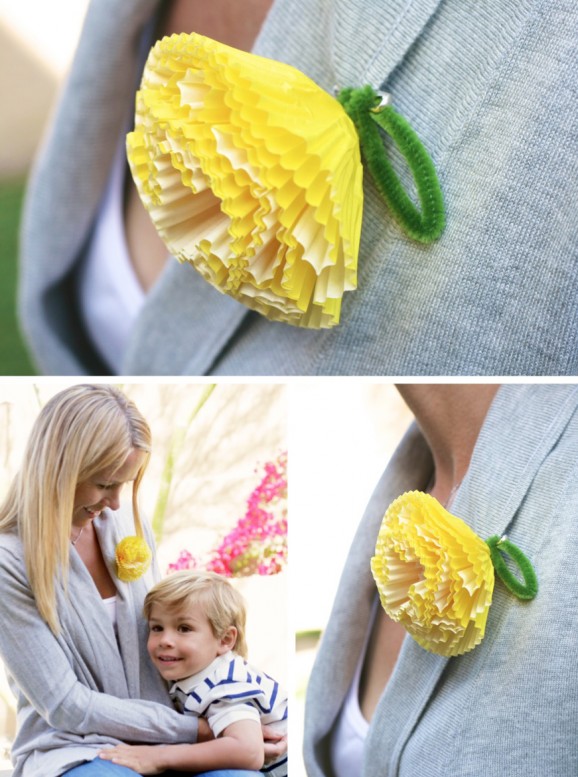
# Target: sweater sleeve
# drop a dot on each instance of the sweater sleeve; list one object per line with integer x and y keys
{"x": 39, "y": 665}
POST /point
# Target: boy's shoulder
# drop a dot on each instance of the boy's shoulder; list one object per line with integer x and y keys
{"x": 235, "y": 668}
{"x": 223, "y": 670}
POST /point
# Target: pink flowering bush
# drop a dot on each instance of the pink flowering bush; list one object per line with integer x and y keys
{"x": 185, "y": 560}
{"x": 257, "y": 545}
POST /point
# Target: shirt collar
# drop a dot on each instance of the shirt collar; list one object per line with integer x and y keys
{"x": 187, "y": 684}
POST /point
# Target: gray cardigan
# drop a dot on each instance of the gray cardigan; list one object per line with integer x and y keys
{"x": 510, "y": 706}
{"x": 491, "y": 88}
{"x": 82, "y": 690}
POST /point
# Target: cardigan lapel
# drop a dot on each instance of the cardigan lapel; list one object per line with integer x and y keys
{"x": 131, "y": 627}
{"x": 90, "y": 618}
{"x": 524, "y": 423}
{"x": 366, "y": 49}
{"x": 181, "y": 311}
{"x": 91, "y": 115}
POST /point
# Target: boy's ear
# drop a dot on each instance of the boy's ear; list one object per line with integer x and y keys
{"x": 228, "y": 640}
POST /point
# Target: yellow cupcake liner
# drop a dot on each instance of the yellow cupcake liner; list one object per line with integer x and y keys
{"x": 133, "y": 558}
{"x": 434, "y": 574}
{"x": 252, "y": 174}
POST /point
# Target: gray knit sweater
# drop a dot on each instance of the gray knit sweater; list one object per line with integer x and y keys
{"x": 490, "y": 87}
{"x": 83, "y": 690}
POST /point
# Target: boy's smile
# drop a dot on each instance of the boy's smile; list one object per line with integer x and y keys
{"x": 182, "y": 643}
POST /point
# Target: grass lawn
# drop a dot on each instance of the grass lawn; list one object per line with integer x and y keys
{"x": 13, "y": 357}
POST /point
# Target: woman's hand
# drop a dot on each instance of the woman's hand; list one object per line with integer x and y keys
{"x": 275, "y": 744}
{"x": 144, "y": 759}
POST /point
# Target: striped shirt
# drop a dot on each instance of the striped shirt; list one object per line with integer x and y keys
{"x": 229, "y": 690}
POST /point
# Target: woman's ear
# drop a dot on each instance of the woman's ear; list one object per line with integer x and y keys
{"x": 228, "y": 640}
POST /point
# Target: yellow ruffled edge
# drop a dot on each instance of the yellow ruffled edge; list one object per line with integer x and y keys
{"x": 154, "y": 146}
{"x": 434, "y": 574}
{"x": 133, "y": 558}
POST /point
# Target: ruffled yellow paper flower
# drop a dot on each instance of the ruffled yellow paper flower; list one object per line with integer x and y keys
{"x": 133, "y": 558}
{"x": 434, "y": 574}
{"x": 252, "y": 173}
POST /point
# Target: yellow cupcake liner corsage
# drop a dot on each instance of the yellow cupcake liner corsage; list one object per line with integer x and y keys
{"x": 252, "y": 173}
{"x": 435, "y": 576}
{"x": 133, "y": 558}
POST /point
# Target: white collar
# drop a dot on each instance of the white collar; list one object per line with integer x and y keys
{"x": 188, "y": 683}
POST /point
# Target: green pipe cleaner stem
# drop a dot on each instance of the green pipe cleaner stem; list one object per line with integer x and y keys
{"x": 363, "y": 107}
{"x": 501, "y": 545}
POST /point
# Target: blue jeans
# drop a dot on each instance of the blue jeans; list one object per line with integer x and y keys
{"x": 100, "y": 768}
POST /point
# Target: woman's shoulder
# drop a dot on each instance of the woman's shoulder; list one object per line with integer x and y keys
{"x": 241, "y": 670}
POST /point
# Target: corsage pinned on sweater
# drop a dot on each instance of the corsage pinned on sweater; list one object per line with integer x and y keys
{"x": 133, "y": 558}
{"x": 435, "y": 576}
{"x": 252, "y": 173}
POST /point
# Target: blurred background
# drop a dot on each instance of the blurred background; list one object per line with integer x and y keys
{"x": 218, "y": 457}
{"x": 37, "y": 41}
{"x": 341, "y": 436}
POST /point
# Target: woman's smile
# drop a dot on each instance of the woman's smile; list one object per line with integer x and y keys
{"x": 104, "y": 488}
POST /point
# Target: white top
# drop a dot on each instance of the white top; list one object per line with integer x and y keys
{"x": 110, "y": 605}
{"x": 110, "y": 293}
{"x": 350, "y": 730}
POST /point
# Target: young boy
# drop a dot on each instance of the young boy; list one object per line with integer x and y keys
{"x": 197, "y": 642}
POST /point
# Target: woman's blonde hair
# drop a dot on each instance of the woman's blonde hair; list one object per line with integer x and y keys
{"x": 79, "y": 432}
{"x": 220, "y": 601}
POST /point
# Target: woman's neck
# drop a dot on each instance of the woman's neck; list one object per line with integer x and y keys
{"x": 450, "y": 418}
{"x": 235, "y": 24}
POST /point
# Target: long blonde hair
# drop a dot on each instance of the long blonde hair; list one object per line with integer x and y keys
{"x": 80, "y": 431}
{"x": 222, "y": 604}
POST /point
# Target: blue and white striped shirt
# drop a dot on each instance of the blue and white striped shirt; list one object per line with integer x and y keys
{"x": 229, "y": 690}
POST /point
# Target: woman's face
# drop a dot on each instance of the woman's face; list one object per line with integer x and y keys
{"x": 104, "y": 488}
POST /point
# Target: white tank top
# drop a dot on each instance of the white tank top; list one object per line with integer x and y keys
{"x": 350, "y": 730}
{"x": 110, "y": 293}
{"x": 110, "y": 605}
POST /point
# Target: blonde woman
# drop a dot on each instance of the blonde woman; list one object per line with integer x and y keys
{"x": 72, "y": 635}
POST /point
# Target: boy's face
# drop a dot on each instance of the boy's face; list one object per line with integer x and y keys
{"x": 182, "y": 643}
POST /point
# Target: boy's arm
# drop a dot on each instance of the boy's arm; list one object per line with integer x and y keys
{"x": 240, "y": 746}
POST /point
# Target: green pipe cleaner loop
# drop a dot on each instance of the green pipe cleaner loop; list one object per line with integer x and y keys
{"x": 499, "y": 545}
{"x": 364, "y": 107}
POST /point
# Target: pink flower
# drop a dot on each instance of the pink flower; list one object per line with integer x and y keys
{"x": 184, "y": 561}
{"x": 258, "y": 542}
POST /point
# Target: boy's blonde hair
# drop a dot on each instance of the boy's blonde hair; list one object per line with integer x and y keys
{"x": 80, "y": 431}
{"x": 220, "y": 601}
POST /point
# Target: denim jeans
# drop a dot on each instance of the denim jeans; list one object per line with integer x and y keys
{"x": 101, "y": 768}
